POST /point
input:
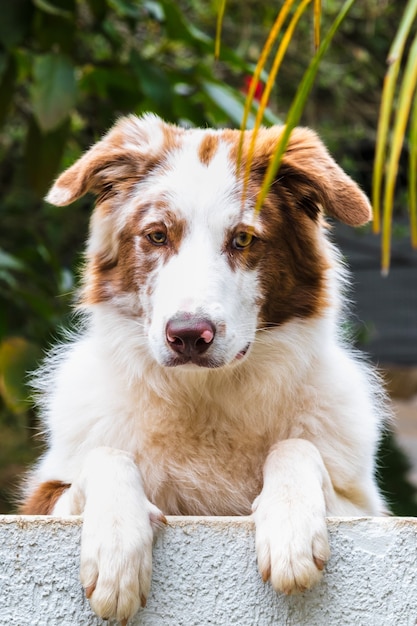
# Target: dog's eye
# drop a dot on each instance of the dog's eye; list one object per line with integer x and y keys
{"x": 157, "y": 238}
{"x": 243, "y": 240}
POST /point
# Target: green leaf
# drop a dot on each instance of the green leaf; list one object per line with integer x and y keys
{"x": 155, "y": 10}
{"x": 54, "y": 90}
{"x": 227, "y": 100}
{"x": 179, "y": 28}
{"x": 231, "y": 103}
{"x": 17, "y": 358}
{"x": 43, "y": 153}
{"x": 126, "y": 8}
{"x": 10, "y": 262}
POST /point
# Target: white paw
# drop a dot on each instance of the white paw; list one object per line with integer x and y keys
{"x": 291, "y": 543}
{"x": 116, "y": 560}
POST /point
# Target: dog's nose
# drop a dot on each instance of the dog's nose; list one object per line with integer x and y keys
{"x": 188, "y": 335}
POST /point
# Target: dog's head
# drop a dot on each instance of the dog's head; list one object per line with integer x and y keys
{"x": 176, "y": 249}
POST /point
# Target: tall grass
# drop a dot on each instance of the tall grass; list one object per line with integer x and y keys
{"x": 398, "y": 111}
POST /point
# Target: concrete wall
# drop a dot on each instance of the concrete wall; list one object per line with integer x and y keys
{"x": 205, "y": 573}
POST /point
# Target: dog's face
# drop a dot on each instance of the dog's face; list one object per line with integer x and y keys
{"x": 175, "y": 244}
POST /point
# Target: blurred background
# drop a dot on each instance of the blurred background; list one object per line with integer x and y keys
{"x": 69, "y": 68}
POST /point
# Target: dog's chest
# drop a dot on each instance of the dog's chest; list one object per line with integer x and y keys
{"x": 203, "y": 471}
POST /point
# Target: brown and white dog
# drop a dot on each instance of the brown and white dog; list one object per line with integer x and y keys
{"x": 210, "y": 377}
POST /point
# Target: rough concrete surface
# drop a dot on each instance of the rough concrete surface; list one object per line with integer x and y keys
{"x": 205, "y": 573}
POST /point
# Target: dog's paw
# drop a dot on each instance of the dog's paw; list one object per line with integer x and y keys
{"x": 291, "y": 544}
{"x": 116, "y": 562}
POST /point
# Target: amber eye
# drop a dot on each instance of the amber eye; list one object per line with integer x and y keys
{"x": 243, "y": 240}
{"x": 157, "y": 238}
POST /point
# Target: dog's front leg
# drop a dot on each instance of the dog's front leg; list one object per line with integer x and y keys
{"x": 117, "y": 534}
{"x": 291, "y": 534}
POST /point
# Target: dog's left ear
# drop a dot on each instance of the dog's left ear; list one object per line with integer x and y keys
{"x": 315, "y": 179}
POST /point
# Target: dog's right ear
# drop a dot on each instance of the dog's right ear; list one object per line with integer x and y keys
{"x": 127, "y": 151}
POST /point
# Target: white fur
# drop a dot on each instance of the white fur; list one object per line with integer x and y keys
{"x": 131, "y": 435}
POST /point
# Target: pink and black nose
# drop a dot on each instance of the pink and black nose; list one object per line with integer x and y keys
{"x": 188, "y": 335}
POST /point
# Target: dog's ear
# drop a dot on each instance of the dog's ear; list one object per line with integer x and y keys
{"x": 125, "y": 152}
{"x": 316, "y": 181}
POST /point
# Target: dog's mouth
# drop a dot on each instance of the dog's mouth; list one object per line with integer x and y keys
{"x": 199, "y": 362}
{"x": 204, "y": 361}
{"x": 240, "y": 355}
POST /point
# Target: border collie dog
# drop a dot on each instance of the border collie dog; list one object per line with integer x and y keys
{"x": 210, "y": 376}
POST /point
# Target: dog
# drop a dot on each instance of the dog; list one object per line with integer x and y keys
{"x": 210, "y": 375}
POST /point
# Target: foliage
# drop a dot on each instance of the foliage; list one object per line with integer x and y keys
{"x": 401, "y": 114}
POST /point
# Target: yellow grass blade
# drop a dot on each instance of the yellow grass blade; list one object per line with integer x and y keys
{"x": 298, "y": 103}
{"x": 412, "y": 179}
{"x": 394, "y": 61}
{"x": 405, "y": 99}
{"x": 317, "y": 22}
{"x": 273, "y": 35}
{"x": 219, "y": 24}
{"x": 388, "y": 91}
{"x": 282, "y": 48}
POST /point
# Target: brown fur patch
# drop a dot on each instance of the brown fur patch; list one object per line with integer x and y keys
{"x": 44, "y": 498}
{"x": 136, "y": 257}
{"x": 293, "y": 267}
{"x": 208, "y": 148}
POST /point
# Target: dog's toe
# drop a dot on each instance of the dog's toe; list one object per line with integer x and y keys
{"x": 291, "y": 551}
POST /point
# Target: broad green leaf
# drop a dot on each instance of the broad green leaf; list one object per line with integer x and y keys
{"x": 54, "y": 90}
{"x": 179, "y": 28}
{"x": 231, "y": 103}
{"x": 18, "y": 357}
{"x": 226, "y": 99}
